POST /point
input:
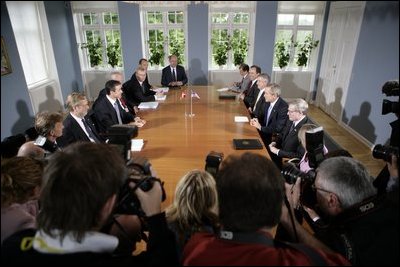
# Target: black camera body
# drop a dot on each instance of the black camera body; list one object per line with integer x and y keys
{"x": 140, "y": 174}
{"x": 213, "y": 160}
{"x": 315, "y": 146}
{"x": 390, "y": 88}
{"x": 307, "y": 196}
{"x": 385, "y": 152}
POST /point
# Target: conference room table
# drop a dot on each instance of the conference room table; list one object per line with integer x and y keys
{"x": 176, "y": 142}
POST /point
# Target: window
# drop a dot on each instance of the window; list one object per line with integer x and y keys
{"x": 292, "y": 29}
{"x": 29, "y": 26}
{"x": 230, "y": 36}
{"x": 100, "y": 38}
{"x": 164, "y": 34}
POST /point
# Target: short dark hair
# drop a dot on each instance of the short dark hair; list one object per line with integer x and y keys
{"x": 249, "y": 198}
{"x": 258, "y": 69}
{"x": 110, "y": 85}
{"x": 141, "y": 60}
{"x": 244, "y": 67}
{"x": 78, "y": 181}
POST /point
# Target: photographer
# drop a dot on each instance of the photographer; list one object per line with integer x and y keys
{"x": 250, "y": 204}
{"x": 80, "y": 189}
{"x": 360, "y": 225}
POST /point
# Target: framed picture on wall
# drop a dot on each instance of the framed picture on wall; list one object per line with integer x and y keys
{"x": 5, "y": 61}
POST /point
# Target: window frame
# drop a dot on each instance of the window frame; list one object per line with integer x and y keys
{"x": 165, "y": 27}
{"x": 231, "y": 26}
{"x": 81, "y": 29}
{"x": 316, "y": 33}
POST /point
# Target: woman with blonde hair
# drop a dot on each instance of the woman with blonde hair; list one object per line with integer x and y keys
{"x": 194, "y": 208}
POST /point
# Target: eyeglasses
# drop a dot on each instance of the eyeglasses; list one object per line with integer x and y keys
{"x": 314, "y": 188}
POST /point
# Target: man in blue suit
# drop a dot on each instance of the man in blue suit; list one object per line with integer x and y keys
{"x": 174, "y": 74}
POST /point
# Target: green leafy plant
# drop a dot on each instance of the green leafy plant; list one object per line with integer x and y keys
{"x": 156, "y": 54}
{"x": 282, "y": 53}
{"x": 240, "y": 48}
{"x": 114, "y": 54}
{"x": 95, "y": 49}
{"x": 178, "y": 49}
{"x": 305, "y": 49}
{"x": 221, "y": 51}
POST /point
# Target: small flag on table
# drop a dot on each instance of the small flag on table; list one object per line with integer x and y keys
{"x": 183, "y": 94}
{"x": 194, "y": 94}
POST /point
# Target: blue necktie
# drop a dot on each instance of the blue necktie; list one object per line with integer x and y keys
{"x": 90, "y": 132}
{"x": 118, "y": 113}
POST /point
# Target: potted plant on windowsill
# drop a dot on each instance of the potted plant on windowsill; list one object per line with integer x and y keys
{"x": 156, "y": 54}
{"x": 95, "y": 49}
{"x": 114, "y": 54}
{"x": 305, "y": 50}
{"x": 282, "y": 53}
{"x": 240, "y": 48}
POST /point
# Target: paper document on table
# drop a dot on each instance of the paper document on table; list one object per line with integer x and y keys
{"x": 147, "y": 105}
{"x": 161, "y": 98}
{"x": 241, "y": 119}
{"x": 223, "y": 89}
{"x": 164, "y": 89}
{"x": 136, "y": 144}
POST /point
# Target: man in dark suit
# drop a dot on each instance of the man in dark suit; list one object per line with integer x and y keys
{"x": 174, "y": 74}
{"x": 143, "y": 63}
{"x": 288, "y": 145}
{"x": 108, "y": 110}
{"x": 275, "y": 115}
{"x": 258, "y": 110}
{"x": 78, "y": 126}
{"x": 136, "y": 90}
{"x": 249, "y": 96}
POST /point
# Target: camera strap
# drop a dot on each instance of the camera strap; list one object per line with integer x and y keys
{"x": 260, "y": 238}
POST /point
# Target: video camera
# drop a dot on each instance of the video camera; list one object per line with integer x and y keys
{"x": 213, "y": 160}
{"x": 390, "y": 88}
{"x": 140, "y": 174}
{"x": 121, "y": 136}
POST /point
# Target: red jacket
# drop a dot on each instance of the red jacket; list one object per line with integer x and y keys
{"x": 207, "y": 249}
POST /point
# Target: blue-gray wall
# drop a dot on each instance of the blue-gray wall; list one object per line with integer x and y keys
{"x": 62, "y": 33}
{"x": 198, "y": 43}
{"x": 129, "y": 17}
{"x": 16, "y": 108}
{"x": 264, "y": 39}
{"x": 375, "y": 62}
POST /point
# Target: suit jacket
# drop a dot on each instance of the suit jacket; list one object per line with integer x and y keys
{"x": 277, "y": 119}
{"x": 288, "y": 143}
{"x": 245, "y": 83}
{"x": 259, "y": 111}
{"x": 106, "y": 116}
{"x": 145, "y": 80}
{"x": 73, "y": 132}
{"x": 166, "y": 77}
{"x": 251, "y": 95}
{"x": 135, "y": 94}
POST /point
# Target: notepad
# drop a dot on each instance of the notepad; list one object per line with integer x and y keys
{"x": 137, "y": 144}
{"x": 148, "y": 105}
{"x": 223, "y": 89}
{"x": 241, "y": 119}
{"x": 161, "y": 98}
{"x": 247, "y": 144}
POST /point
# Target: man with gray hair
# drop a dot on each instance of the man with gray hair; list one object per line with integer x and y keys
{"x": 287, "y": 145}
{"x": 361, "y": 226}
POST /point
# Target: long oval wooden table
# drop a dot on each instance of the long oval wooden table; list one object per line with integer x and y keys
{"x": 176, "y": 143}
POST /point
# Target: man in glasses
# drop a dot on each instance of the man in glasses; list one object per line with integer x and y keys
{"x": 360, "y": 226}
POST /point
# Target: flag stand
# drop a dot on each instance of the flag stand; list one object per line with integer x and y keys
{"x": 191, "y": 105}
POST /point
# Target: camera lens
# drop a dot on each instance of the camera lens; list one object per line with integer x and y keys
{"x": 146, "y": 184}
{"x": 384, "y": 152}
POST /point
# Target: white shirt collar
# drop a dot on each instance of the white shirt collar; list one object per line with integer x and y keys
{"x": 112, "y": 101}
{"x": 273, "y": 103}
{"x": 92, "y": 242}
